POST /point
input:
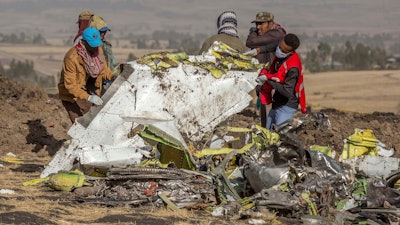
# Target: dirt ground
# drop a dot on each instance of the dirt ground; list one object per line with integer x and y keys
{"x": 33, "y": 125}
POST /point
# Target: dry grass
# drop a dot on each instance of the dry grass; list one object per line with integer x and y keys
{"x": 360, "y": 91}
{"x": 181, "y": 213}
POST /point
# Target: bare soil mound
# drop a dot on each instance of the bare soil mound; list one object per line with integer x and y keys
{"x": 30, "y": 121}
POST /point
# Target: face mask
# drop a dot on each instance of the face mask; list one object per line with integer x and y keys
{"x": 280, "y": 54}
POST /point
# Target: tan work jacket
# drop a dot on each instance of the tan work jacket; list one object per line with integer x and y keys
{"x": 72, "y": 85}
{"x": 231, "y": 41}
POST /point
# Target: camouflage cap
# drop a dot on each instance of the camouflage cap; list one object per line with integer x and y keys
{"x": 98, "y": 23}
{"x": 85, "y": 15}
{"x": 263, "y": 17}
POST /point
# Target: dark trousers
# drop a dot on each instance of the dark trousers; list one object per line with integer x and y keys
{"x": 76, "y": 109}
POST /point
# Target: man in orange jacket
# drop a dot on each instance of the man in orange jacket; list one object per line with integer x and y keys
{"x": 83, "y": 70}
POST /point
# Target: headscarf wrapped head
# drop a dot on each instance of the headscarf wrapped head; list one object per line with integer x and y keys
{"x": 227, "y": 23}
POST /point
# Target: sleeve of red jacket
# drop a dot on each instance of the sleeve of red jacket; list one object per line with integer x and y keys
{"x": 287, "y": 88}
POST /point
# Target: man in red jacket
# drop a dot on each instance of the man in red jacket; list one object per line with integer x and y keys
{"x": 289, "y": 93}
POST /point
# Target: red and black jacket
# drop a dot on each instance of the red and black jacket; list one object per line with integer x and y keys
{"x": 291, "y": 92}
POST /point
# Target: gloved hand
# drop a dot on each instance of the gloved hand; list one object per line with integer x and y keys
{"x": 95, "y": 100}
{"x": 276, "y": 79}
{"x": 261, "y": 79}
{"x": 253, "y": 29}
{"x": 252, "y": 52}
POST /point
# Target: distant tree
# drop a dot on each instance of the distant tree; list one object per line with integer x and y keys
{"x": 39, "y": 40}
{"x": 11, "y": 39}
{"x": 131, "y": 57}
{"x": 155, "y": 45}
{"x": 47, "y": 81}
{"x": 201, "y": 37}
{"x": 2, "y": 71}
{"x": 20, "y": 69}
{"x": 395, "y": 48}
{"x": 166, "y": 35}
{"x": 22, "y": 72}
{"x": 378, "y": 57}
{"x": 312, "y": 62}
{"x": 13, "y": 65}
{"x": 349, "y": 55}
{"x": 173, "y": 44}
{"x": 303, "y": 36}
{"x": 189, "y": 46}
{"x": 362, "y": 61}
{"x": 339, "y": 56}
{"x": 22, "y": 38}
{"x": 324, "y": 51}
{"x": 141, "y": 44}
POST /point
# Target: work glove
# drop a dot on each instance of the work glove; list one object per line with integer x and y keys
{"x": 261, "y": 79}
{"x": 253, "y": 29}
{"x": 252, "y": 52}
{"x": 95, "y": 100}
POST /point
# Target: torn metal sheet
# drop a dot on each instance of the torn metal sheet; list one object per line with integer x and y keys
{"x": 182, "y": 101}
{"x": 277, "y": 199}
{"x": 261, "y": 176}
{"x": 373, "y": 166}
{"x": 196, "y": 100}
{"x": 327, "y": 167}
{"x": 104, "y": 156}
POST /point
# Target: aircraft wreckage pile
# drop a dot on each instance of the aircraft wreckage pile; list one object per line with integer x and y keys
{"x": 159, "y": 139}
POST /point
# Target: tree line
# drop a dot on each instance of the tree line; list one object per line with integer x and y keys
{"x": 24, "y": 72}
{"x": 322, "y": 52}
{"x": 346, "y": 57}
{"x": 22, "y": 38}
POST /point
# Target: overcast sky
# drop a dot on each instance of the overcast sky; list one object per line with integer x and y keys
{"x": 58, "y": 17}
